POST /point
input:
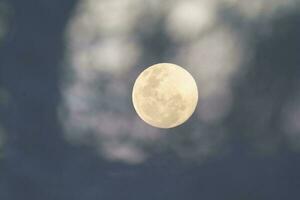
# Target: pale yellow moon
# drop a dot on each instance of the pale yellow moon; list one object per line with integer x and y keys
{"x": 165, "y": 95}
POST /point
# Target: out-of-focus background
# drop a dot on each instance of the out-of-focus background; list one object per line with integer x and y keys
{"x": 68, "y": 129}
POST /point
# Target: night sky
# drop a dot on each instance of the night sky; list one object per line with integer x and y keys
{"x": 258, "y": 156}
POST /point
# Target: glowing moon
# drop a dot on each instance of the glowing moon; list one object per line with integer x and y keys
{"x": 165, "y": 95}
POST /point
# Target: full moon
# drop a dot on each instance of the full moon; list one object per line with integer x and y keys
{"x": 165, "y": 95}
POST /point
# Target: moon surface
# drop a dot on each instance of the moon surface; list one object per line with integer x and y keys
{"x": 165, "y": 95}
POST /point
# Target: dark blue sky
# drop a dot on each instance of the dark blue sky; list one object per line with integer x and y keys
{"x": 37, "y": 163}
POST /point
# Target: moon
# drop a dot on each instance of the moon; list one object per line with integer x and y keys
{"x": 165, "y": 95}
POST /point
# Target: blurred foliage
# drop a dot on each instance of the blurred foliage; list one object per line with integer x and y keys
{"x": 5, "y": 14}
{"x": 4, "y": 97}
{"x": 1, "y": 142}
{"x": 224, "y": 44}
{"x": 4, "y": 100}
{"x": 107, "y": 44}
